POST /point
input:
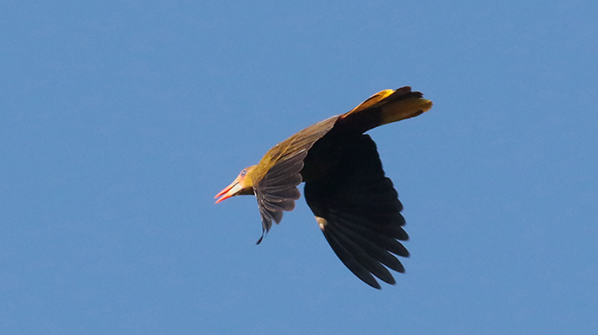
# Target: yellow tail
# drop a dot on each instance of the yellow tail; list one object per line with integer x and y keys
{"x": 389, "y": 106}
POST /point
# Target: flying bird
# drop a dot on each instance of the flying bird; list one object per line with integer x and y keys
{"x": 356, "y": 206}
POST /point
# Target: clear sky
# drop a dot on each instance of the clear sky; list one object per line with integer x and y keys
{"x": 120, "y": 121}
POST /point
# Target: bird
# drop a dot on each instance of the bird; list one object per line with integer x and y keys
{"x": 355, "y": 205}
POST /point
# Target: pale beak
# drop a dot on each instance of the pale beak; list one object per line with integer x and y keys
{"x": 230, "y": 191}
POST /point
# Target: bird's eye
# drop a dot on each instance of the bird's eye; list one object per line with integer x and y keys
{"x": 243, "y": 173}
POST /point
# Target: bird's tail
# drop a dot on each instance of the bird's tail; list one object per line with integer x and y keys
{"x": 386, "y": 107}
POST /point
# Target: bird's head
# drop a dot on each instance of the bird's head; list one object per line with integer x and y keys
{"x": 243, "y": 185}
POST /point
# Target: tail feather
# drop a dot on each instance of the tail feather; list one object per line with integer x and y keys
{"x": 386, "y": 107}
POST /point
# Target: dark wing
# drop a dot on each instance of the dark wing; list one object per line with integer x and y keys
{"x": 277, "y": 190}
{"x": 358, "y": 211}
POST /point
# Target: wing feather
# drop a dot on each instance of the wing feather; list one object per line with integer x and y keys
{"x": 348, "y": 258}
{"x": 277, "y": 190}
{"x": 359, "y": 212}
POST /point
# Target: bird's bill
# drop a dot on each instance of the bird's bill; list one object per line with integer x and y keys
{"x": 230, "y": 191}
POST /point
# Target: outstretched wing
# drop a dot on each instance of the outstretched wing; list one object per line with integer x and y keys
{"x": 277, "y": 190}
{"x": 358, "y": 210}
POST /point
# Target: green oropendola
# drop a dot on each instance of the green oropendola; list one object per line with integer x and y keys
{"x": 356, "y": 206}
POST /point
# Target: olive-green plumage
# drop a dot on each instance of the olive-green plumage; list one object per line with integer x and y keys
{"x": 356, "y": 206}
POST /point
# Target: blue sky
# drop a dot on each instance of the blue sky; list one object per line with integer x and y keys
{"x": 120, "y": 120}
